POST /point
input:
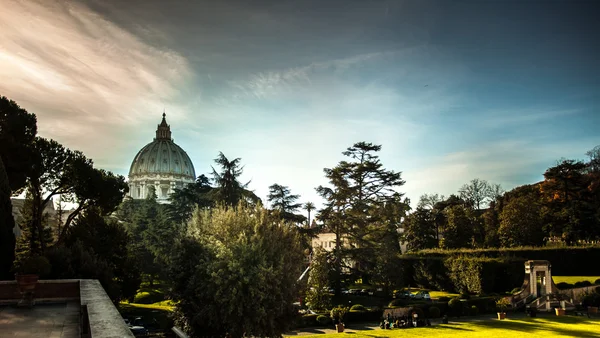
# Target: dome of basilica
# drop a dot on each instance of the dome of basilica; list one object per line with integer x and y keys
{"x": 161, "y": 166}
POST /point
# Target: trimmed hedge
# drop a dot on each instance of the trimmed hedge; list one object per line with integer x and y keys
{"x": 464, "y": 274}
{"x": 353, "y": 316}
{"x": 566, "y": 261}
{"x": 358, "y": 307}
{"x": 484, "y": 271}
{"x": 434, "y": 312}
{"x": 307, "y": 321}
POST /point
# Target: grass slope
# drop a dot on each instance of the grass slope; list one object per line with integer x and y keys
{"x": 518, "y": 328}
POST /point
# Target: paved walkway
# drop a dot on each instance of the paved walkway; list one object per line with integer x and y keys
{"x": 41, "y": 321}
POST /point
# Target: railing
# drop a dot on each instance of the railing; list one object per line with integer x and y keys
{"x": 530, "y": 298}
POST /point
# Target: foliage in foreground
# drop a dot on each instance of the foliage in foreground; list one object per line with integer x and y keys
{"x": 566, "y": 326}
{"x": 236, "y": 272}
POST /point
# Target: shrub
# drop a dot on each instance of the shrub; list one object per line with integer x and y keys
{"x": 358, "y": 307}
{"x": 337, "y": 314}
{"x": 465, "y": 295}
{"x": 363, "y": 316}
{"x": 309, "y": 320}
{"x": 591, "y": 299}
{"x": 597, "y": 281}
{"x": 502, "y": 304}
{"x": 396, "y": 303}
{"x": 483, "y": 304}
{"x": 35, "y": 265}
{"x": 474, "y": 311}
{"x": 323, "y": 320}
{"x": 434, "y": 312}
{"x": 583, "y": 284}
{"x": 564, "y": 286}
{"x": 597, "y": 289}
{"x": 444, "y": 299}
{"x": 456, "y": 306}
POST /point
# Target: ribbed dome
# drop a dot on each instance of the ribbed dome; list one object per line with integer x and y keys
{"x": 162, "y": 156}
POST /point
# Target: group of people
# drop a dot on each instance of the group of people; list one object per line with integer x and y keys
{"x": 403, "y": 322}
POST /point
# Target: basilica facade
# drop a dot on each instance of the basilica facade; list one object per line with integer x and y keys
{"x": 160, "y": 166}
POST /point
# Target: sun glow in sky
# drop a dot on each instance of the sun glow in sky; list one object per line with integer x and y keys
{"x": 453, "y": 90}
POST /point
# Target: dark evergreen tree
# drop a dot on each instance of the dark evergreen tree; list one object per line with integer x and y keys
{"x": 355, "y": 208}
{"x": 285, "y": 203}
{"x": 184, "y": 201}
{"x": 228, "y": 190}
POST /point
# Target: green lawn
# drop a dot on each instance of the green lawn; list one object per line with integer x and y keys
{"x": 159, "y": 317}
{"x": 574, "y": 279}
{"x": 567, "y": 326}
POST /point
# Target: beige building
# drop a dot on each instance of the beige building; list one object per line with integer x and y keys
{"x": 50, "y": 212}
{"x": 324, "y": 240}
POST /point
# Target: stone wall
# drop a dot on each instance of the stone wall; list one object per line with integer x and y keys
{"x": 67, "y": 289}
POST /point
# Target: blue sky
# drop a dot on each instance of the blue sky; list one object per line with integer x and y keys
{"x": 452, "y": 90}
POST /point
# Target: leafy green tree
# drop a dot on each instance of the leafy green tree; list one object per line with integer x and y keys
{"x": 7, "y": 223}
{"x": 419, "y": 230}
{"x": 458, "y": 232}
{"x": 440, "y": 217}
{"x": 57, "y": 170}
{"x": 192, "y": 196}
{"x": 478, "y": 193}
{"x": 229, "y": 190}
{"x": 429, "y": 201}
{"x": 284, "y": 203}
{"x": 17, "y": 133}
{"x": 317, "y": 295}
{"x": 491, "y": 224}
{"x": 566, "y": 212}
{"x": 521, "y": 223}
{"x": 18, "y": 129}
{"x": 152, "y": 234}
{"x": 236, "y": 273}
{"x": 594, "y": 159}
{"x": 93, "y": 189}
{"x": 84, "y": 253}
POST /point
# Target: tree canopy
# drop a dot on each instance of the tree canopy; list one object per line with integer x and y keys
{"x": 18, "y": 130}
{"x": 236, "y": 273}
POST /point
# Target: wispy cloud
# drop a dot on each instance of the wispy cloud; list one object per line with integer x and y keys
{"x": 82, "y": 75}
{"x": 267, "y": 84}
{"x": 523, "y": 116}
